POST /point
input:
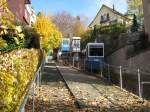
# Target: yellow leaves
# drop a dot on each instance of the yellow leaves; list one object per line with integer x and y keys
{"x": 51, "y": 37}
{"x": 7, "y": 15}
{"x": 17, "y": 69}
{"x": 18, "y": 29}
{"x": 136, "y": 7}
{"x": 2, "y": 43}
{"x": 3, "y": 3}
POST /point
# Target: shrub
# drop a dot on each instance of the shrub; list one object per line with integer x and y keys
{"x": 135, "y": 26}
{"x": 32, "y": 38}
{"x": 17, "y": 69}
{"x": 86, "y": 38}
{"x": 13, "y": 37}
{"x": 2, "y": 43}
{"x": 111, "y": 29}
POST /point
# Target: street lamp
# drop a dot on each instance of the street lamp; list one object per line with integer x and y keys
{"x": 41, "y": 36}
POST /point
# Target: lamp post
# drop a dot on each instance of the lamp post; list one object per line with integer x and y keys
{"x": 40, "y": 40}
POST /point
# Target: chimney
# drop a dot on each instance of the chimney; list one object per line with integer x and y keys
{"x": 113, "y": 7}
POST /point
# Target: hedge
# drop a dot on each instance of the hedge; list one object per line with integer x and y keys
{"x": 17, "y": 69}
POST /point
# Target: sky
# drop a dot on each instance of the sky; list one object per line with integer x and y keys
{"x": 88, "y": 8}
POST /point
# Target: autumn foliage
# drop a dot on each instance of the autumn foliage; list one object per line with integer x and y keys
{"x": 17, "y": 69}
{"x": 50, "y": 35}
{"x": 6, "y": 15}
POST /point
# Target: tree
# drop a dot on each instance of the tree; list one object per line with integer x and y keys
{"x": 70, "y": 25}
{"x": 65, "y": 22}
{"x": 79, "y": 27}
{"x": 134, "y": 26}
{"x": 51, "y": 37}
{"x": 86, "y": 38}
{"x": 136, "y": 7}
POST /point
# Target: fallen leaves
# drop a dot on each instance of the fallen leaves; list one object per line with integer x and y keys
{"x": 53, "y": 99}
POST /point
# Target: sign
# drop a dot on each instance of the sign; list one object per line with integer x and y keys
{"x": 76, "y": 45}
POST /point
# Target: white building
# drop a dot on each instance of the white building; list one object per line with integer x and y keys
{"x": 107, "y": 16}
{"x": 32, "y": 14}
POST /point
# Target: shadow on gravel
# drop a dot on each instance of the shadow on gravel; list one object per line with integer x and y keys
{"x": 50, "y": 74}
{"x": 42, "y": 105}
{"x": 80, "y": 77}
{"x": 55, "y": 106}
{"x": 85, "y": 79}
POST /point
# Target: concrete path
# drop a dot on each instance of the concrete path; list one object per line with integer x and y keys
{"x": 97, "y": 95}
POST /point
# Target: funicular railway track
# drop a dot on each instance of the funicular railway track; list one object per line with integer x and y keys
{"x": 106, "y": 97}
{"x": 67, "y": 90}
{"x": 71, "y": 93}
{"x": 54, "y": 94}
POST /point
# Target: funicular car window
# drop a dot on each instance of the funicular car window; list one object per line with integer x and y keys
{"x": 65, "y": 42}
{"x": 96, "y": 51}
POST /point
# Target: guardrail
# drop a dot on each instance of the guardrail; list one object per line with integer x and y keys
{"x": 122, "y": 72}
{"x": 35, "y": 83}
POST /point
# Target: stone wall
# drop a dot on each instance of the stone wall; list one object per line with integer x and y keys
{"x": 146, "y": 4}
{"x": 141, "y": 61}
{"x": 130, "y": 68}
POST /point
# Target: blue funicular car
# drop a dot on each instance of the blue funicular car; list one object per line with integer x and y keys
{"x": 94, "y": 56}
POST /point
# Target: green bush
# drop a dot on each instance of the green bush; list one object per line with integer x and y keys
{"x": 18, "y": 37}
{"x": 10, "y": 48}
{"x": 13, "y": 37}
{"x": 109, "y": 35}
{"x": 111, "y": 29}
{"x": 32, "y": 38}
{"x": 86, "y": 38}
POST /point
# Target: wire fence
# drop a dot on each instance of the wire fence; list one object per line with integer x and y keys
{"x": 134, "y": 80}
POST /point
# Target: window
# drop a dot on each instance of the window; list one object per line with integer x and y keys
{"x": 108, "y": 18}
{"x": 96, "y": 51}
{"x": 105, "y": 18}
{"x": 102, "y": 19}
{"x": 65, "y": 42}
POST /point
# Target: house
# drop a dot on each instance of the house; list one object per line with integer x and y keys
{"x": 22, "y": 11}
{"x": 31, "y": 13}
{"x": 146, "y": 5}
{"x": 107, "y": 16}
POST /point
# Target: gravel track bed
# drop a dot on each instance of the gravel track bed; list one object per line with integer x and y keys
{"x": 53, "y": 95}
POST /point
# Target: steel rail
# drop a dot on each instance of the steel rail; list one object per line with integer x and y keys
{"x": 71, "y": 93}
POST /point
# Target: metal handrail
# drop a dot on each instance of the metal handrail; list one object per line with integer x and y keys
{"x": 127, "y": 67}
{"x": 137, "y": 71}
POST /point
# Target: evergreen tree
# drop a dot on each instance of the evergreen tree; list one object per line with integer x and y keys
{"x": 134, "y": 26}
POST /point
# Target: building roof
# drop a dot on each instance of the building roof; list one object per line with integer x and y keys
{"x": 111, "y": 9}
